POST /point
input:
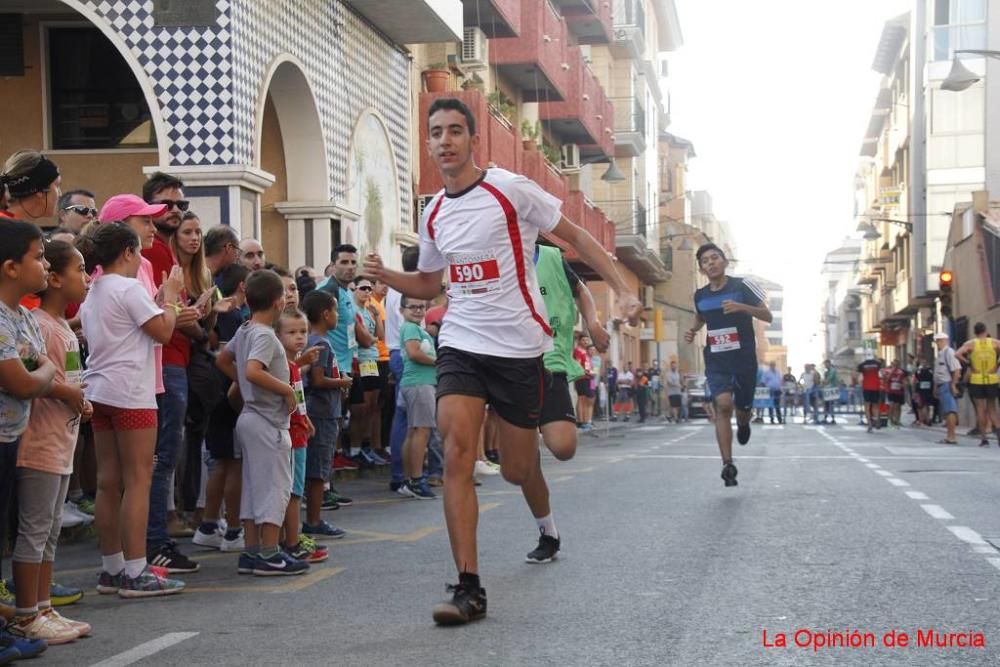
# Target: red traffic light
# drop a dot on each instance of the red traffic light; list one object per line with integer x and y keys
{"x": 946, "y": 278}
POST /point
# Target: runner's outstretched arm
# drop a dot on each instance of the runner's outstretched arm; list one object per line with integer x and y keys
{"x": 415, "y": 284}
{"x": 596, "y": 257}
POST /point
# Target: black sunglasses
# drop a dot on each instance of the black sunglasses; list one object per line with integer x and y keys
{"x": 365, "y": 288}
{"x": 415, "y": 307}
{"x": 180, "y": 204}
{"x": 82, "y": 210}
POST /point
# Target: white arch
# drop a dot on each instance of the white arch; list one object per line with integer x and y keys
{"x": 294, "y": 101}
{"x": 388, "y": 140}
{"x": 159, "y": 125}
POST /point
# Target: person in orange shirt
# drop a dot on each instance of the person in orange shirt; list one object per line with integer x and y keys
{"x": 382, "y": 423}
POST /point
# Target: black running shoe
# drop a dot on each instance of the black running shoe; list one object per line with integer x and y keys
{"x": 465, "y": 605}
{"x": 743, "y": 433}
{"x": 171, "y": 560}
{"x": 729, "y": 474}
{"x": 546, "y": 551}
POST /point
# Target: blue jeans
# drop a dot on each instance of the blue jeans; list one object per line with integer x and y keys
{"x": 170, "y": 434}
{"x": 398, "y": 433}
{"x": 435, "y": 455}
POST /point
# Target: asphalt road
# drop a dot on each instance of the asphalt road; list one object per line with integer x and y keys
{"x": 830, "y": 530}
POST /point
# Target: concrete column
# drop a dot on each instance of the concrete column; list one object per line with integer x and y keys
{"x": 297, "y": 243}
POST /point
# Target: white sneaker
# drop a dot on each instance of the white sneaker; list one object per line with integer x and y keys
{"x": 211, "y": 540}
{"x": 239, "y": 544}
{"x": 52, "y": 629}
{"x": 484, "y": 468}
{"x": 72, "y": 517}
{"x": 83, "y": 629}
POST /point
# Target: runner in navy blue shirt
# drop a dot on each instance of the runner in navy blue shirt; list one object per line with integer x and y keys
{"x": 728, "y": 305}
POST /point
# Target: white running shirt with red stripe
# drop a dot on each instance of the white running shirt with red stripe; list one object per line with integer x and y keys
{"x": 485, "y": 238}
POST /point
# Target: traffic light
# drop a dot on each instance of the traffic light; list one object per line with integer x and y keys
{"x": 946, "y": 283}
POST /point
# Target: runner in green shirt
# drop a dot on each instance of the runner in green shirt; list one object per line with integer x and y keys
{"x": 561, "y": 290}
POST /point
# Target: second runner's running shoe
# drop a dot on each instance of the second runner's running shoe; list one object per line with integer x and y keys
{"x": 465, "y": 605}
{"x": 729, "y": 474}
{"x": 546, "y": 551}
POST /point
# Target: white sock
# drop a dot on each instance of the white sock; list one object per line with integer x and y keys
{"x": 134, "y": 567}
{"x": 44, "y": 604}
{"x": 547, "y": 526}
{"x": 114, "y": 563}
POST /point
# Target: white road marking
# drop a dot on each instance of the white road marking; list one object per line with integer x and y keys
{"x": 966, "y": 534}
{"x": 145, "y": 650}
{"x": 884, "y": 473}
{"x": 873, "y": 466}
{"x": 895, "y": 481}
{"x": 861, "y": 459}
{"x": 649, "y": 428}
{"x": 773, "y": 428}
{"x": 995, "y": 562}
{"x": 937, "y": 512}
{"x": 917, "y": 495}
{"x": 984, "y": 550}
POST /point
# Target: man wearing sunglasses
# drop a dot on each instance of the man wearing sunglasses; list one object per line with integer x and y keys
{"x": 76, "y": 208}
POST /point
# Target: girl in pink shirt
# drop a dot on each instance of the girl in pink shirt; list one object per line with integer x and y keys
{"x": 45, "y": 458}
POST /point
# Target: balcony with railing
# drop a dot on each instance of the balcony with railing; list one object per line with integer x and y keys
{"x": 585, "y": 114}
{"x": 588, "y": 20}
{"x": 496, "y": 18}
{"x": 632, "y": 243}
{"x": 629, "y": 28}
{"x": 946, "y": 39}
{"x": 533, "y": 61}
{"x": 630, "y": 127}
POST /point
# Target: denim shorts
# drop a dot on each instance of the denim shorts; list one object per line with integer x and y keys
{"x": 946, "y": 400}
{"x": 319, "y": 453}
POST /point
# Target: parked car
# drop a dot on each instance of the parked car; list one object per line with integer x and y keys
{"x": 696, "y": 396}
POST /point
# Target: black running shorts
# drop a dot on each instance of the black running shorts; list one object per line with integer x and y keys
{"x": 582, "y": 387}
{"x": 512, "y": 387}
{"x": 981, "y": 392}
{"x": 897, "y": 399}
{"x": 872, "y": 396}
{"x": 557, "y": 405}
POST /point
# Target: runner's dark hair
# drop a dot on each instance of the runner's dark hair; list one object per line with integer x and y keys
{"x": 411, "y": 257}
{"x": 979, "y": 328}
{"x": 316, "y": 303}
{"x": 707, "y": 247}
{"x": 343, "y": 247}
{"x": 264, "y": 287}
{"x": 454, "y": 104}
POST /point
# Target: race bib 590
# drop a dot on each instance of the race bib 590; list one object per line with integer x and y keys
{"x": 475, "y": 274}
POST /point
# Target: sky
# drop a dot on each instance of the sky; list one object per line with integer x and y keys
{"x": 776, "y": 96}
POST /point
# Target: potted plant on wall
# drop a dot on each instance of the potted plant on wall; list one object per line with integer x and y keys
{"x": 436, "y": 77}
{"x": 502, "y": 106}
{"x": 552, "y": 155}
{"x": 529, "y": 134}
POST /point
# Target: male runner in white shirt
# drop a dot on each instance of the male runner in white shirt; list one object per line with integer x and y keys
{"x": 482, "y": 228}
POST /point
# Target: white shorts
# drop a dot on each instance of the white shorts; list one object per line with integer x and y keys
{"x": 267, "y": 473}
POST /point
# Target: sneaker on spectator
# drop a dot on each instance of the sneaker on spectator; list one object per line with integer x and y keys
{"x": 362, "y": 462}
{"x": 6, "y": 595}
{"x": 47, "y": 628}
{"x": 435, "y": 481}
{"x": 62, "y": 596}
{"x": 83, "y": 628}
{"x": 109, "y": 584}
{"x": 375, "y": 457}
{"x": 343, "y": 501}
{"x": 484, "y": 468}
{"x": 72, "y": 519}
{"x": 302, "y": 552}
{"x": 493, "y": 456}
{"x": 278, "y": 565}
{"x": 245, "y": 564}
{"x": 209, "y": 535}
{"x": 231, "y": 543}
{"x": 177, "y": 527}
{"x": 395, "y": 485}
{"x": 170, "y": 559}
{"x": 420, "y": 490}
{"x": 13, "y": 647}
{"x": 341, "y": 462}
{"x": 148, "y": 584}
{"x": 59, "y": 595}
{"x": 323, "y": 528}
{"x": 75, "y": 517}
{"x": 329, "y": 502}
{"x": 319, "y": 551}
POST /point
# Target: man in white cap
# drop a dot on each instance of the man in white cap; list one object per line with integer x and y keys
{"x": 947, "y": 371}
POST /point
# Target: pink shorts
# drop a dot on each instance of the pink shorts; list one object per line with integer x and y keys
{"x": 110, "y": 418}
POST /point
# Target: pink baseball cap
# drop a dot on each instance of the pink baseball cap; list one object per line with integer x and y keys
{"x": 120, "y": 207}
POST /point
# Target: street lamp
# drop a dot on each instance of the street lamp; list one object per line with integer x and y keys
{"x": 961, "y": 77}
{"x": 613, "y": 174}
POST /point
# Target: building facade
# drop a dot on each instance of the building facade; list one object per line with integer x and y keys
{"x": 841, "y": 318}
{"x": 286, "y": 120}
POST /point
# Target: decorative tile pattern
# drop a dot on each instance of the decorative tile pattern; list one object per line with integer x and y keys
{"x": 207, "y": 79}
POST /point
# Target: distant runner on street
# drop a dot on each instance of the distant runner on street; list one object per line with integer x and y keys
{"x": 728, "y": 305}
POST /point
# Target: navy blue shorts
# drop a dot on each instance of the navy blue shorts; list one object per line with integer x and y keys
{"x": 740, "y": 384}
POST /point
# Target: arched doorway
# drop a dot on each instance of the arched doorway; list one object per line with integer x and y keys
{"x": 296, "y": 220}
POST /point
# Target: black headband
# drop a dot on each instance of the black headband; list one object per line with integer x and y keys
{"x": 39, "y": 178}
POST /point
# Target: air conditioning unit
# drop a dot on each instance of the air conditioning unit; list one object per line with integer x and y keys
{"x": 647, "y": 296}
{"x": 474, "y": 48}
{"x": 570, "y": 157}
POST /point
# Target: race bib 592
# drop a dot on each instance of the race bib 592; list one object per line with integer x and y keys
{"x": 723, "y": 340}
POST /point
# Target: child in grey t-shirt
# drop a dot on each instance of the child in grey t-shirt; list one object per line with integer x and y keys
{"x": 255, "y": 359}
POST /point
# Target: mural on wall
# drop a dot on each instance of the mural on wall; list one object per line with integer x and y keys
{"x": 373, "y": 186}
